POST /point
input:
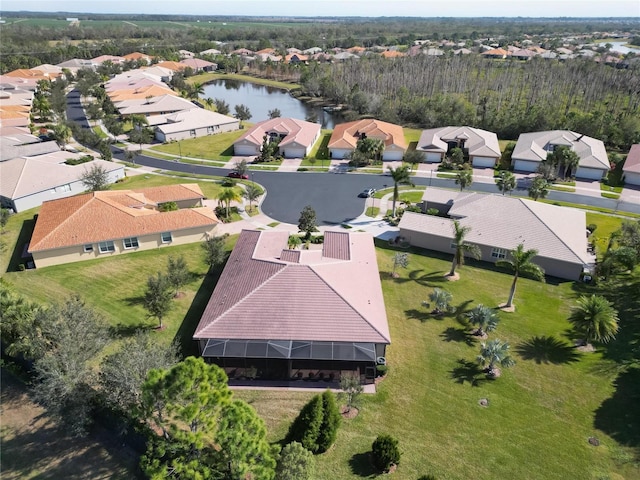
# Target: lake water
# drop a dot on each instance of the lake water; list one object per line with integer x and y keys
{"x": 620, "y": 47}
{"x": 260, "y": 99}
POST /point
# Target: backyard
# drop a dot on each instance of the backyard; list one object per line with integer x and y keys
{"x": 540, "y": 413}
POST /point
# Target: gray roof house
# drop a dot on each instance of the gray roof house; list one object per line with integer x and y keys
{"x": 27, "y": 182}
{"x": 163, "y": 104}
{"x": 480, "y": 146}
{"x": 631, "y": 169}
{"x": 192, "y": 123}
{"x": 297, "y": 313}
{"x": 532, "y": 148}
{"x": 499, "y": 224}
{"x": 296, "y": 137}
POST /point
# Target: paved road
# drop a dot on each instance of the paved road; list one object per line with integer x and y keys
{"x": 75, "y": 112}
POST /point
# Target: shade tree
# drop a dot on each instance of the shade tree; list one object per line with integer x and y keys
{"x": 595, "y": 319}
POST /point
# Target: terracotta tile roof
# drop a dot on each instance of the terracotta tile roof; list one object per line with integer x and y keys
{"x": 137, "y": 56}
{"x": 175, "y": 66}
{"x": 261, "y": 296}
{"x": 346, "y": 135}
{"x": 142, "y": 92}
{"x": 632, "y": 163}
{"x": 392, "y": 54}
{"x": 109, "y": 215}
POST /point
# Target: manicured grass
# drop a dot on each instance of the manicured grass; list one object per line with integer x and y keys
{"x": 610, "y": 189}
{"x": 214, "y": 147}
{"x": 211, "y": 188}
{"x": 99, "y": 132}
{"x": 411, "y": 197}
{"x": 402, "y": 188}
{"x": 540, "y": 413}
{"x": 372, "y": 211}
{"x": 320, "y": 150}
{"x": 210, "y": 77}
{"x": 606, "y": 225}
{"x": 411, "y": 137}
{"x": 561, "y": 188}
{"x": 613, "y": 196}
{"x": 590, "y": 208}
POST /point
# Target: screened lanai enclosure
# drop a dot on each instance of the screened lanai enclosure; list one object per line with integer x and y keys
{"x": 294, "y": 360}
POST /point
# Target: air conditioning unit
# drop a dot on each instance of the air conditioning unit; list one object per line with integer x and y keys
{"x": 381, "y": 361}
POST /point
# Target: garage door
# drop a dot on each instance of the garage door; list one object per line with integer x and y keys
{"x": 484, "y": 162}
{"x": 433, "y": 157}
{"x": 338, "y": 153}
{"x": 293, "y": 152}
{"x": 632, "y": 178}
{"x": 244, "y": 150}
{"x": 589, "y": 173}
{"x": 525, "y": 166}
{"x": 392, "y": 155}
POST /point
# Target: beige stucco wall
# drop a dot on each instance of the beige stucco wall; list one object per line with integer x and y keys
{"x": 199, "y": 132}
{"x": 552, "y": 267}
{"x": 147, "y": 242}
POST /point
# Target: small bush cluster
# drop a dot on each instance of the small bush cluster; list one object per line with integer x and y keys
{"x": 316, "y": 427}
{"x": 385, "y": 452}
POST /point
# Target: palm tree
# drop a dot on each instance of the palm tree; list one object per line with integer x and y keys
{"x": 400, "y": 176}
{"x": 485, "y": 318}
{"x": 399, "y": 260}
{"x": 464, "y": 178}
{"x": 495, "y": 352}
{"x": 462, "y": 248}
{"x": 539, "y": 188}
{"x": 252, "y": 193}
{"x": 595, "y": 318}
{"x": 441, "y": 299}
{"x": 228, "y": 195}
{"x": 62, "y": 134}
{"x": 138, "y": 121}
{"x": 506, "y": 182}
{"x": 521, "y": 264}
{"x": 209, "y": 101}
{"x": 196, "y": 90}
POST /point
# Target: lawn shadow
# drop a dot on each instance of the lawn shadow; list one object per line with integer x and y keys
{"x": 184, "y": 335}
{"x": 461, "y": 312}
{"x": 426, "y": 279}
{"x": 361, "y": 465}
{"x": 421, "y": 315}
{"x": 547, "y": 349}
{"x": 469, "y": 372}
{"x": 134, "y": 301}
{"x": 458, "y": 335}
{"x": 619, "y": 416}
{"x": 18, "y": 255}
{"x": 121, "y": 330}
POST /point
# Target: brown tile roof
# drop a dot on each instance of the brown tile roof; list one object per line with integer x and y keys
{"x": 632, "y": 163}
{"x": 175, "y": 66}
{"x": 392, "y": 54}
{"x": 262, "y": 296}
{"x": 99, "y": 216}
{"x": 142, "y": 92}
{"x": 346, "y": 135}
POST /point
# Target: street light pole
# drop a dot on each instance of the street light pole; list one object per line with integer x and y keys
{"x": 180, "y": 149}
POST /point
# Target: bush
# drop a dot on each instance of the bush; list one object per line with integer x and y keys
{"x": 432, "y": 211}
{"x": 382, "y": 370}
{"x": 385, "y": 452}
{"x": 306, "y": 427}
{"x": 330, "y": 422}
{"x": 592, "y": 227}
{"x": 228, "y": 182}
{"x": 295, "y": 463}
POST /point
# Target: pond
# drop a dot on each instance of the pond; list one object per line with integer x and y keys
{"x": 620, "y": 47}
{"x": 261, "y": 98}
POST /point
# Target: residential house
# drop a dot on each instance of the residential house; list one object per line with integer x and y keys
{"x": 199, "y": 65}
{"x": 345, "y": 137}
{"x": 243, "y": 52}
{"x": 75, "y": 64}
{"x": 533, "y": 148}
{"x": 106, "y": 223}
{"x": 170, "y": 65}
{"x": 631, "y": 169}
{"x": 288, "y": 314}
{"x": 495, "y": 53}
{"x": 140, "y": 93}
{"x": 14, "y": 146}
{"x": 108, "y": 58}
{"x": 164, "y": 74}
{"x": 342, "y": 56}
{"x": 498, "y": 224}
{"x": 50, "y": 71}
{"x": 211, "y": 51}
{"x": 480, "y": 147}
{"x": 392, "y": 54}
{"x": 312, "y": 51}
{"x": 184, "y": 54}
{"x": 138, "y": 57}
{"x": 162, "y": 105}
{"x": 192, "y": 123}
{"x": 23, "y": 185}
{"x": 296, "y": 58}
{"x": 296, "y": 137}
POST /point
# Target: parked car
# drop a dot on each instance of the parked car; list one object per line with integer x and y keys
{"x": 367, "y": 192}
{"x": 243, "y": 176}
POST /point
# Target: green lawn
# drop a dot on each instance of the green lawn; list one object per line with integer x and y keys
{"x": 213, "y": 147}
{"x": 540, "y": 413}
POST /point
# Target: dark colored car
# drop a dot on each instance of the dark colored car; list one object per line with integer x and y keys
{"x": 244, "y": 176}
{"x": 367, "y": 192}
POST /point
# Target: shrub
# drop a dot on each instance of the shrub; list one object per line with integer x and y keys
{"x": 592, "y": 227}
{"x": 303, "y": 169}
{"x": 385, "y": 452}
{"x": 330, "y": 422}
{"x": 295, "y": 463}
{"x": 228, "y": 182}
{"x": 432, "y": 211}
{"x": 306, "y": 427}
{"x": 382, "y": 370}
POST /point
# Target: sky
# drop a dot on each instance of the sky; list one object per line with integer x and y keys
{"x": 340, "y": 8}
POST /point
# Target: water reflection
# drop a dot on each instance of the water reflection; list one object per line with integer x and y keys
{"x": 260, "y": 99}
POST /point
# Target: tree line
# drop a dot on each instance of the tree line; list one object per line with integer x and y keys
{"x": 507, "y": 97}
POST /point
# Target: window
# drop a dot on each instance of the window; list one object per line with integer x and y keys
{"x": 192, "y": 133}
{"x": 106, "y": 247}
{"x": 499, "y": 253}
{"x": 129, "y": 243}
{"x": 63, "y": 188}
{"x": 454, "y": 245}
{"x": 88, "y": 248}
{"x": 166, "y": 237}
